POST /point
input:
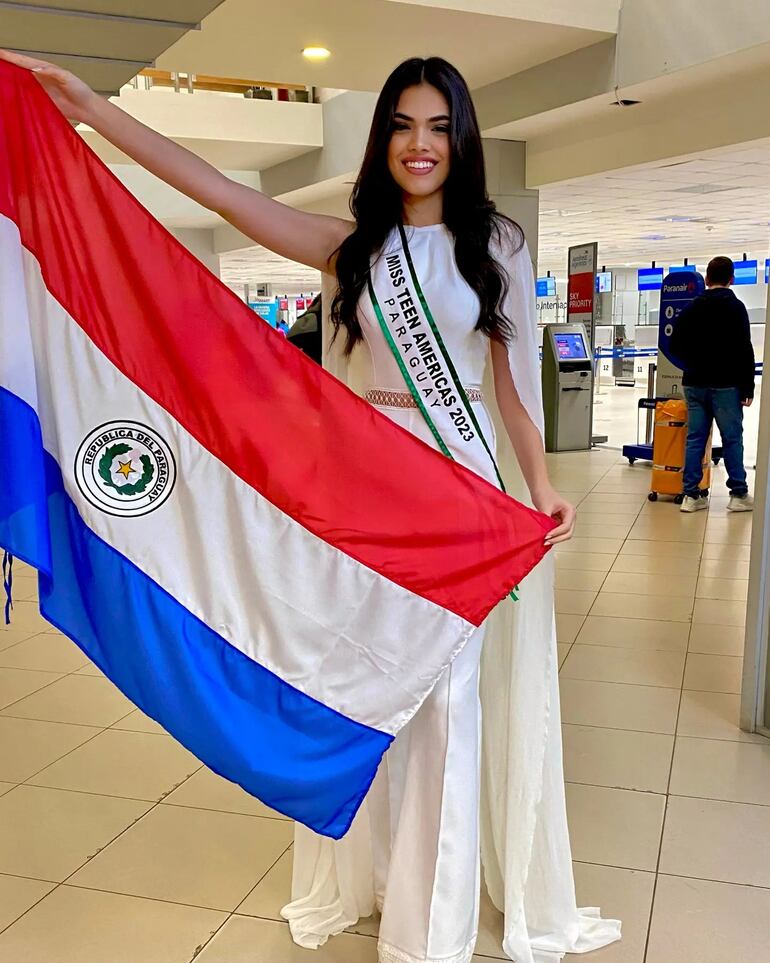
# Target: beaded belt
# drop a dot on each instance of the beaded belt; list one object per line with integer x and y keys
{"x": 387, "y": 398}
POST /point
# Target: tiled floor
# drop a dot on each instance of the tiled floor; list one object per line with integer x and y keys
{"x": 116, "y": 846}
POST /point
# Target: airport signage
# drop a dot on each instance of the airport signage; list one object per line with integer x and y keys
{"x": 678, "y": 290}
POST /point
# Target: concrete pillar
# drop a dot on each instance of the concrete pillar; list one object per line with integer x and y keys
{"x": 200, "y": 242}
{"x": 506, "y": 162}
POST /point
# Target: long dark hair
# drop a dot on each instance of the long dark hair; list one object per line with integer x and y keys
{"x": 376, "y": 204}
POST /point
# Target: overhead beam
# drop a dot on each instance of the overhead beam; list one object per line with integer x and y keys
{"x": 575, "y": 77}
{"x": 600, "y": 15}
{"x": 116, "y": 18}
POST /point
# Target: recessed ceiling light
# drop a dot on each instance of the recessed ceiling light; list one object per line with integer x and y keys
{"x": 316, "y": 53}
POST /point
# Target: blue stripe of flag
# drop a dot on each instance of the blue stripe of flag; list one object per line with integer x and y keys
{"x": 298, "y": 756}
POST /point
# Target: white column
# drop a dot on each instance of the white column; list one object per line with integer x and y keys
{"x": 506, "y": 162}
{"x": 200, "y": 242}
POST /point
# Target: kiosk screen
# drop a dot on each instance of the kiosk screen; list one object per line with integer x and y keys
{"x": 570, "y": 347}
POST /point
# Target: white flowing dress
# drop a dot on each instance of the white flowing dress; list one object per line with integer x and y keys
{"x": 444, "y": 791}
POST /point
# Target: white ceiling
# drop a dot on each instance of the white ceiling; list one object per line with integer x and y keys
{"x": 367, "y": 38}
{"x": 720, "y": 201}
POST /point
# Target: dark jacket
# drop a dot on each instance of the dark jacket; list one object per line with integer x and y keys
{"x": 712, "y": 340}
{"x": 306, "y": 331}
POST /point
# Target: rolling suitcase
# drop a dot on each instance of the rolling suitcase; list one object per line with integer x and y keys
{"x": 668, "y": 448}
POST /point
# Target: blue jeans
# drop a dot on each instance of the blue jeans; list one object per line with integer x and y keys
{"x": 704, "y": 406}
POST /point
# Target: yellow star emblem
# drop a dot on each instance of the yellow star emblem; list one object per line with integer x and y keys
{"x": 125, "y": 469}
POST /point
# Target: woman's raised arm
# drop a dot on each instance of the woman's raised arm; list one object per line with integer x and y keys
{"x": 310, "y": 239}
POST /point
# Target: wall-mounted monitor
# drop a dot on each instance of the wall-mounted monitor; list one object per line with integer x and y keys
{"x": 650, "y": 279}
{"x": 680, "y": 268}
{"x": 545, "y": 287}
{"x": 604, "y": 282}
{"x": 767, "y": 270}
{"x": 745, "y": 272}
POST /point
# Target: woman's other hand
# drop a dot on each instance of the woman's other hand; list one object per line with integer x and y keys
{"x": 73, "y": 97}
{"x": 551, "y": 503}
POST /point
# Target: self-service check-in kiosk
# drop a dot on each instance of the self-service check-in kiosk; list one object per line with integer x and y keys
{"x": 567, "y": 387}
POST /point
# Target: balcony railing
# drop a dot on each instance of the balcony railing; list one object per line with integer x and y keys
{"x": 251, "y": 89}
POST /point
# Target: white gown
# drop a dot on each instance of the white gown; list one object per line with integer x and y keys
{"x": 414, "y": 846}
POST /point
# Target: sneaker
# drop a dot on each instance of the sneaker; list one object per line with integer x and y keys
{"x": 740, "y": 503}
{"x": 691, "y": 504}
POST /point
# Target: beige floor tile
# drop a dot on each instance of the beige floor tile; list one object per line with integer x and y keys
{"x": 271, "y": 893}
{"x": 562, "y": 651}
{"x": 727, "y": 536}
{"x": 576, "y": 580}
{"x": 13, "y": 634}
{"x": 667, "y": 530}
{"x": 47, "y": 833}
{"x": 645, "y": 634}
{"x": 27, "y": 746}
{"x": 711, "y": 769}
{"x": 658, "y": 607}
{"x": 617, "y": 758}
{"x": 656, "y": 565}
{"x": 584, "y": 562}
{"x": 47, "y": 652}
{"x": 600, "y": 663}
{"x": 660, "y": 549}
{"x": 90, "y": 669}
{"x": 26, "y": 615}
{"x": 593, "y": 545}
{"x": 731, "y": 589}
{"x": 15, "y": 684}
{"x": 713, "y": 673}
{"x": 246, "y": 940}
{"x": 725, "y": 552}
{"x": 596, "y": 502}
{"x": 162, "y": 855}
{"x": 24, "y": 588}
{"x": 724, "y": 841}
{"x": 78, "y": 926}
{"x": 489, "y": 944}
{"x": 697, "y": 920}
{"x": 17, "y": 895}
{"x": 573, "y": 603}
{"x": 714, "y": 612}
{"x": 568, "y": 626}
{"x": 621, "y": 894}
{"x": 207, "y": 790}
{"x": 6, "y": 787}
{"x": 137, "y": 721}
{"x": 135, "y": 765}
{"x": 79, "y": 699}
{"x": 719, "y": 568}
{"x": 615, "y": 827}
{"x": 713, "y": 715}
{"x": 636, "y": 583}
{"x": 592, "y": 515}
{"x": 717, "y": 639}
{"x": 612, "y": 705}
{"x": 597, "y": 526}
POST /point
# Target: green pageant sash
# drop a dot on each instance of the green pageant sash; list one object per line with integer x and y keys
{"x": 414, "y": 339}
{"x": 411, "y": 332}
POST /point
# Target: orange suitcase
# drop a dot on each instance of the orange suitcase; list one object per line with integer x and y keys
{"x": 668, "y": 448}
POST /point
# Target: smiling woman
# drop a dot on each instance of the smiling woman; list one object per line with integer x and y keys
{"x": 435, "y": 284}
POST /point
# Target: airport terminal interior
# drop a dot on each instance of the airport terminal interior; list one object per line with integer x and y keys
{"x": 634, "y": 132}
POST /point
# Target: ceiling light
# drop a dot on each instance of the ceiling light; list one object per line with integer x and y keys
{"x": 316, "y": 53}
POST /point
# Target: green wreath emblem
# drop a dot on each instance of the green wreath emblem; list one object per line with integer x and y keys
{"x": 105, "y": 466}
